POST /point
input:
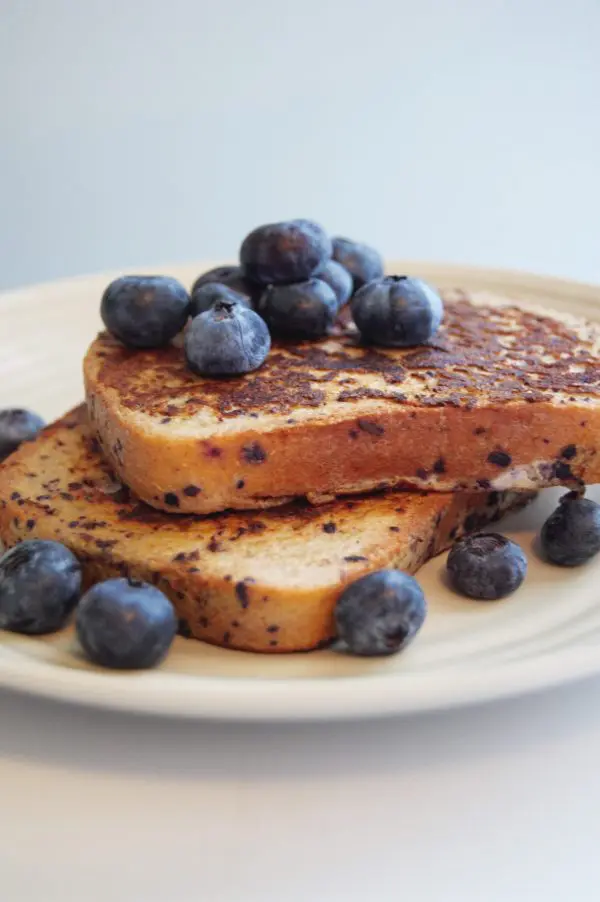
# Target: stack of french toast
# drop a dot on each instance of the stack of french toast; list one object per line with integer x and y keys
{"x": 252, "y": 471}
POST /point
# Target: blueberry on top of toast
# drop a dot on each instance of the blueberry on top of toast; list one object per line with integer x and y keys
{"x": 230, "y": 276}
{"x": 338, "y": 278}
{"x": 397, "y": 312}
{"x": 285, "y": 251}
{"x": 208, "y": 293}
{"x": 228, "y": 339}
{"x": 363, "y": 263}
{"x": 287, "y": 273}
{"x": 302, "y": 310}
{"x": 145, "y": 311}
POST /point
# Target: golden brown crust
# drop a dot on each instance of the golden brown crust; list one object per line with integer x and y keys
{"x": 505, "y": 398}
{"x": 263, "y": 582}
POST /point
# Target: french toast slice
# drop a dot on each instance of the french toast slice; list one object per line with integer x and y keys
{"x": 266, "y": 581}
{"x": 504, "y": 397}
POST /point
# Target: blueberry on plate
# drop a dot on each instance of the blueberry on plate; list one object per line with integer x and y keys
{"x": 571, "y": 535}
{"x": 339, "y": 279}
{"x": 363, "y": 263}
{"x": 125, "y": 624}
{"x": 231, "y": 276}
{"x": 40, "y": 582}
{"x": 303, "y": 310}
{"x": 397, "y": 312}
{"x": 285, "y": 251}
{"x": 17, "y": 426}
{"x": 205, "y": 295}
{"x": 486, "y": 566}
{"x": 145, "y": 311}
{"x": 227, "y": 340}
{"x": 380, "y": 613}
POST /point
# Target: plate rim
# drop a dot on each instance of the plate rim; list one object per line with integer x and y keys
{"x": 165, "y": 693}
{"x": 314, "y": 699}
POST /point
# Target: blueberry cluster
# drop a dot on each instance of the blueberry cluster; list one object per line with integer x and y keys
{"x": 120, "y": 623}
{"x": 291, "y": 282}
{"x": 379, "y": 614}
{"x": 490, "y": 566}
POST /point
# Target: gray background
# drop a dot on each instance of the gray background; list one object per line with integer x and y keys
{"x": 145, "y": 131}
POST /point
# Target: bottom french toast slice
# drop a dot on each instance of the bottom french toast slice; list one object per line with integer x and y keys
{"x": 263, "y": 581}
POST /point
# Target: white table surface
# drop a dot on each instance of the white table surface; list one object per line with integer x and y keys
{"x": 493, "y": 803}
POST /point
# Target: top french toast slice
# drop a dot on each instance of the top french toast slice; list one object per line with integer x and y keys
{"x": 504, "y": 397}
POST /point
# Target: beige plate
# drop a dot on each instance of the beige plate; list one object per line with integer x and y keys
{"x": 545, "y": 634}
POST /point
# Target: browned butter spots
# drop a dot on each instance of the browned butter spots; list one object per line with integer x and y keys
{"x": 468, "y": 350}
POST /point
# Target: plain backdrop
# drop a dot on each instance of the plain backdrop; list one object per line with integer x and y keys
{"x": 147, "y": 131}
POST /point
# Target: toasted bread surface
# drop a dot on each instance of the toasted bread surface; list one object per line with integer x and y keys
{"x": 503, "y": 398}
{"x": 263, "y": 581}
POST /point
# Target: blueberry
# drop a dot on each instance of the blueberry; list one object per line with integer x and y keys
{"x": 397, "y": 311}
{"x": 227, "y": 340}
{"x": 285, "y": 251}
{"x": 380, "y": 613}
{"x": 17, "y": 426}
{"x": 40, "y": 582}
{"x": 205, "y": 295}
{"x": 231, "y": 276}
{"x": 339, "y": 279}
{"x": 301, "y": 310}
{"x": 125, "y": 624}
{"x": 363, "y": 263}
{"x": 145, "y": 311}
{"x": 571, "y": 535}
{"x": 486, "y": 566}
